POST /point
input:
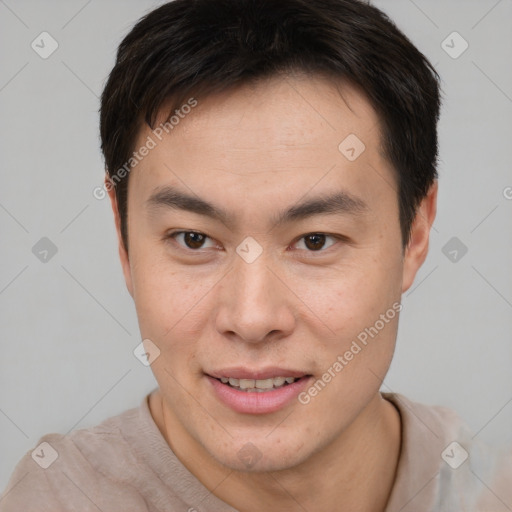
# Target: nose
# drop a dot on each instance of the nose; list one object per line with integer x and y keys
{"x": 255, "y": 305}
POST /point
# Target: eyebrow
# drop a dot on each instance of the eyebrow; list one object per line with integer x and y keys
{"x": 340, "y": 202}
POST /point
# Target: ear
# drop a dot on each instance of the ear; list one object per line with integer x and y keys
{"x": 123, "y": 253}
{"x": 417, "y": 248}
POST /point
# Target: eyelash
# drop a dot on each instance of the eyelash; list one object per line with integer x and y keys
{"x": 172, "y": 236}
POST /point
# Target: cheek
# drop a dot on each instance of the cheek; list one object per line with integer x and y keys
{"x": 168, "y": 299}
{"x": 359, "y": 304}
{"x": 352, "y": 295}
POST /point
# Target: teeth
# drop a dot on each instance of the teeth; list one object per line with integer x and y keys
{"x": 245, "y": 383}
{"x": 279, "y": 381}
{"x": 251, "y": 385}
{"x": 265, "y": 384}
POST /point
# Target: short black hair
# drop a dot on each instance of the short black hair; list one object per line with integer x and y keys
{"x": 195, "y": 48}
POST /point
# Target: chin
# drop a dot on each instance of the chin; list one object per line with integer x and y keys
{"x": 260, "y": 454}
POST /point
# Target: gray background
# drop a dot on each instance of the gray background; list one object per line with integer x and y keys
{"x": 68, "y": 325}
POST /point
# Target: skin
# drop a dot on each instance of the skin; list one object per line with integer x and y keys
{"x": 255, "y": 151}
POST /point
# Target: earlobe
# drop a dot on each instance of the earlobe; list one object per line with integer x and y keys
{"x": 417, "y": 248}
{"x": 123, "y": 253}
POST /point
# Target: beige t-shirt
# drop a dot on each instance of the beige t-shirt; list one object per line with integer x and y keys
{"x": 124, "y": 464}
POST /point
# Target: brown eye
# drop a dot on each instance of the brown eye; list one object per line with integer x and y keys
{"x": 315, "y": 241}
{"x": 193, "y": 240}
{"x": 190, "y": 239}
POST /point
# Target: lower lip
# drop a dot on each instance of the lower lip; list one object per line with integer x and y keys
{"x": 254, "y": 402}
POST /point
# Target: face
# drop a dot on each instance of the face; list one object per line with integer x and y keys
{"x": 264, "y": 245}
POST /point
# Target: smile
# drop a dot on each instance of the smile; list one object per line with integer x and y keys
{"x": 258, "y": 385}
{"x": 257, "y": 392}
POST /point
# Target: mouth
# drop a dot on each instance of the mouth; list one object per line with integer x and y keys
{"x": 257, "y": 392}
{"x": 258, "y": 385}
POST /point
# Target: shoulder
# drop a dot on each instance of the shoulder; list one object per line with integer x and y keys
{"x": 445, "y": 465}
{"x": 76, "y": 470}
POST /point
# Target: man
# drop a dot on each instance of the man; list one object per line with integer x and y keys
{"x": 272, "y": 173}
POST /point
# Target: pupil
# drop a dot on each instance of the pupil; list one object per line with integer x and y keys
{"x": 194, "y": 244}
{"x": 318, "y": 241}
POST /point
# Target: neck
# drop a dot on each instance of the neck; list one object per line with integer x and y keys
{"x": 354, "y": 473}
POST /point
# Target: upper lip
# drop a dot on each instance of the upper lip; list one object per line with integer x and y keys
{"x": 255, "y": 374}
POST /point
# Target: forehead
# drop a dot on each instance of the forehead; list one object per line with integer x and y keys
{"x": 281, "y": 109}
{"x": 281, "y": 132}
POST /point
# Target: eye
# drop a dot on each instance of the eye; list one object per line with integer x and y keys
{"x": 194, "y": 240}
{"x": 316, "y": 241}
{"x": 190, "y": 239}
